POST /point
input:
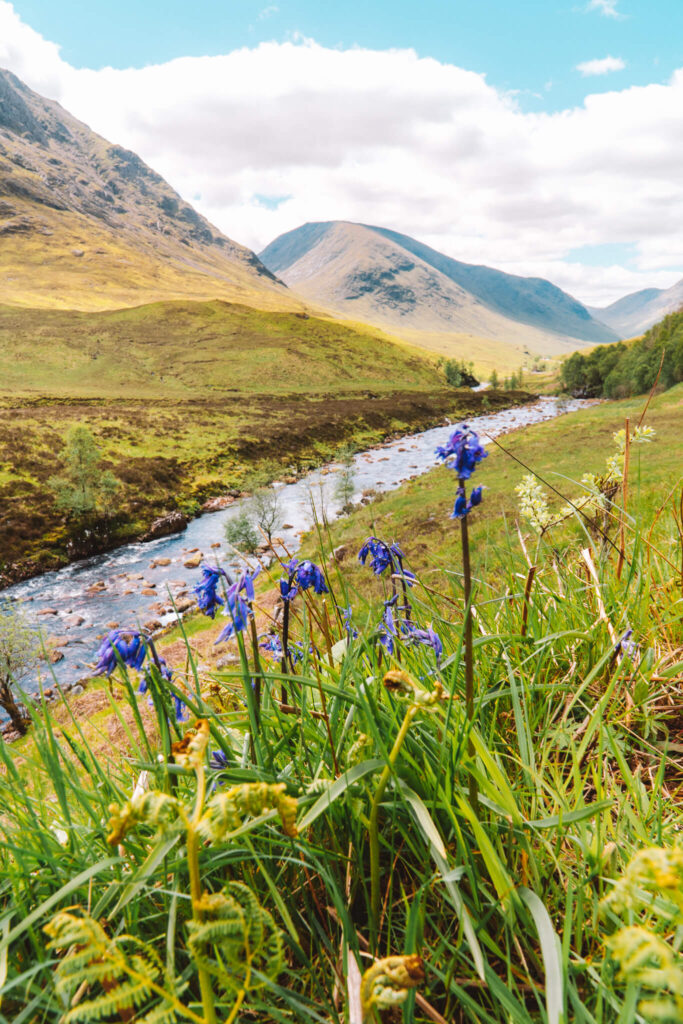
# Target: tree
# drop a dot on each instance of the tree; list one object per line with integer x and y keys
{"x": 494, "y": 382}
{"x": 84, "y": 486}
{"x": 19, "y": 650}
{"x": 240, "y": 533}
{"x": 345, "y": 487}
{"x": 266, "y": 511}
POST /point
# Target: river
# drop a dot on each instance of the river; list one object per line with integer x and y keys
{"x": 128, "y": 587}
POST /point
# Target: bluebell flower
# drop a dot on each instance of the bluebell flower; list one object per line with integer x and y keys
{"x": 463, "y": 505}
{"x": 181, "y": 712}
{"x": 462, "y": 452}
{"x": 304, "y": 575}
{"x": 427, "y": 636}
{"x": 387, "y": 627}
{"x": 218, "y": 760}
{"x": 348, "y": 625}
{"x": 166, "y": 673}
{"x": 128, "y": 644}
{"x": 385, "y": 556}
{"x": 272, "y": 644}
{"x": 237, "y": 608}
{"x": 206, "y": 591}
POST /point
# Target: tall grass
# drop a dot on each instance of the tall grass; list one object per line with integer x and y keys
{"x": 572, "y": 768}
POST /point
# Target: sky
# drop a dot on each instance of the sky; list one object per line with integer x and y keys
{"x": 541, "y": 137}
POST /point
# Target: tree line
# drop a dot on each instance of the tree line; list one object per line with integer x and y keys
{"x": 625, "y": 369}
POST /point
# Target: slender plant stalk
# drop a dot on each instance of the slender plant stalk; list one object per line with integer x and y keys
{"x": 469, "y": 657}
{"x": 373, "y": 833}
{"x": 196, "y": 890}
{"x": 285, "y": 648}
{"x": 624, "y": 493}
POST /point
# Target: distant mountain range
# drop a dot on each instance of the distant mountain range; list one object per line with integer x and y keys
{"x": 388, "y": 279}
{"x": 87, "y": 225}
{"x": 635, "y": 313}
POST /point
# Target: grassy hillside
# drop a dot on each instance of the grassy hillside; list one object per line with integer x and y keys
{"x": 193, "y": 349}
{"x": 183, "y": 398}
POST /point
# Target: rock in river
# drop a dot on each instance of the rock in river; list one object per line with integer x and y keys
{"x": 174, "y": 522}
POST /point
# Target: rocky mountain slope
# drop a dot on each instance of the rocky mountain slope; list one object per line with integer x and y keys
{"x": 382, "y": 277}
{"x": 86, "y": 224}
{"x": 637, "y": 312}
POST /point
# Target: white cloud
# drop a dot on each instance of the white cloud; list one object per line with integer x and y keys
{"x": 268, "y": 12}
{"x": 606, "y": 7}
{"x": 602, "y": 66}
{"x": 389, "y": 138}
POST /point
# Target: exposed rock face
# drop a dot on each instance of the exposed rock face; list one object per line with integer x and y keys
{"x": 174, "y": 522}
{"x": 50, "y": 161}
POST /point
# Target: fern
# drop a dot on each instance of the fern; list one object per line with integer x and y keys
{"x": 236, "y": 939}
{"x": 122, "y": 976}
{"x": 152, "y": 808}
{"x": 226, "y": 811}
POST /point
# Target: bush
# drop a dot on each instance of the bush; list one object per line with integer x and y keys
{"x": 240, "y": 533}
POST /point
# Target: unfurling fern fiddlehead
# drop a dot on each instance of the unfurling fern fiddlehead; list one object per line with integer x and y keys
{"x": 103, "y": 977}
{"x": 234, "y": 943}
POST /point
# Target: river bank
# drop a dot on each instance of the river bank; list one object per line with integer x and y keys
{"x": 146, "y": 583}
{"x": 176, "y": 457}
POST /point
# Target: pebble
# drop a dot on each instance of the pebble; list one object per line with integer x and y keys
{"x": 192, "y": 563}
{"x": 159, "y": 561}
{"x": 48, "y": 611}
{"x": 148, "y": 592}
{"x": 216, "y": 544}
{"x": 56, "y": 656}
{"x": 226, "y": 660}
{"x": 72, "y": 621}
{"x": 152, "y": 625}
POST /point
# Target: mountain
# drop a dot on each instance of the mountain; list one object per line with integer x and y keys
{"x": 637, "y": 312}
{"x": 86, "y": 224}
{"x": 386, "y": 278}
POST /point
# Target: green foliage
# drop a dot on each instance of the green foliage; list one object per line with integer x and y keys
{"x": 236, "y": 940}
{"x": 494, "y": 380}
{"x": 84, "y": 486}
{"x": 20, "y": 647}
{"x": 617, "y": 371}
{"x": 122, "y": 976}
{"x": 239, "y": 531}
{"x": 345, "y": 485}
{"x": 495, "y": 908}
{"x": 459, "y": 373}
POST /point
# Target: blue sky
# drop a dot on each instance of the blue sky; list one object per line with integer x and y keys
{"x": 540, "y": 137}
{"x": 532, "y": 46}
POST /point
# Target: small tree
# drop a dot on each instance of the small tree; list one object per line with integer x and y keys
{"x": 453, "y": 371}
{"x": 494, "y": 382}
{"x": 85, "y": 486}
{"x": 266, "y": 511}
{"x": 19, "y": 650}
{"x": 345, "y": 487}
{"x": 240, "y": 533}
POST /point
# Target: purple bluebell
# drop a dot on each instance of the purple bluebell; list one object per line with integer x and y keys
{"x": 218, "y": 760}
{"x": 427, "y": 636}
{"x": 304, "y": 575}
{"x": 387, "y": 627}
{"x": 206, "y": 591}
{"x": 165, "y": 671}
{"x": 385, "y": 556}
{"x": 346, "y": 614}
{"x": 181, "y": 712}
{"x": 237, "y": 607}
{"x": 272, "y": 644}
{"x": 463, "y": 505}
{"x": 462, "y": 452}
{"x": 129, "y": 645}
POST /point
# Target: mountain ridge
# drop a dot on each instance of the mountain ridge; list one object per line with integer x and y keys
{"x": 636, "y": 312}
{"x": 85, "y": 223}
{"x": 384, "y": 277}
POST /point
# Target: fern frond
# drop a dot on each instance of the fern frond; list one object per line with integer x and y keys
{"x": 236, "y": 938}
{"x": 226, "y": 811}
{"x": 126, "y": 975}
{"x": 152, "y": 808}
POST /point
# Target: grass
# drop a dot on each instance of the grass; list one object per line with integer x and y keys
{"x": 494, "y": 908}
{"x": 184, "y": 399}
{"x": 573, "y": 750}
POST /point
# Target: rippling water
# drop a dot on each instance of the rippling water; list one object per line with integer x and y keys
{"x": 84, "y": 599}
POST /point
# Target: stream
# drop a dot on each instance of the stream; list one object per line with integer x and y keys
{"x": 131, "y": 586}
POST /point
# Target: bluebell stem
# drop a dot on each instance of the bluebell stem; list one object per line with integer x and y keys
{"x": 387, "y": 627}
{"x": 462, "y": 453}
{"x": 346, "y": 615}
{"x": 385, "y": 556}
{"x": 304, "y": 575}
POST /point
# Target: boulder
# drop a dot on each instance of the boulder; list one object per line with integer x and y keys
{"x": 148, "y": 592}
{"x": 185, "y": 603}
{"x": 56, "y": 656}
{"x": 192, "y": 563}
{"x": 174, "y": 522}
{"x": 159, "y": 561}
{"x": 226, "y": 660}
{"x": 72, "y": 621}
{"x": 152, "y": 625}
{"x": 340, "y": 553}
{"x": 48, "y": 611}
{"x": 218, "y": 504}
